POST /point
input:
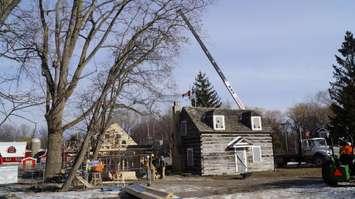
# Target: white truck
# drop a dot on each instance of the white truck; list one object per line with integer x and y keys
{"x": 313, "y": 150}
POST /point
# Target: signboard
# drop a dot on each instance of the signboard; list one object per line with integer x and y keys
{"x": 8, "y": 174}
{"x": 13, "y": 149}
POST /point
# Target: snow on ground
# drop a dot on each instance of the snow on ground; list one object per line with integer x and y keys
{"x": 323, "y": 192}
{"x": 96, "y": 193}
{"x": 309, "y": 192}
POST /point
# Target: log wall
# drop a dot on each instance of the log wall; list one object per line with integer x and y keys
{"x": 216, "y": 160}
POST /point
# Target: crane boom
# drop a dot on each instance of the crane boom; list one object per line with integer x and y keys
{"x": 213, "y": 62}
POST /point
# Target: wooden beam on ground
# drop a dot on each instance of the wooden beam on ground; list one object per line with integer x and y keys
{"x": 144, "y": 192}
{"x": 83, "y": 181}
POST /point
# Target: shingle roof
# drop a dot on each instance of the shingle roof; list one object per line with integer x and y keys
{"x": 232, "y": 119}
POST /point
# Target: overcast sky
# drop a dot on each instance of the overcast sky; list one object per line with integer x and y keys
{"x": 274, "y": 53}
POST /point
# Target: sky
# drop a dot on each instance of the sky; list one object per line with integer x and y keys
{"x": 274, "y": 53}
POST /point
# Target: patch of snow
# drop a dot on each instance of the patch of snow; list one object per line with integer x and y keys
{"x": 96, "y": 193}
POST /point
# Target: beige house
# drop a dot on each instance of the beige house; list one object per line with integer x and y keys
{"x": 115, "y": 139}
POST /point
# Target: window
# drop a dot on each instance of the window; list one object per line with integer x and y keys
{"x": 124, "y": 142}
{"x": 256, "y": 123}
{"x": 190, "y": 157}
{"x": 218, "y": 122}
{"x": 257, "y": 154}
{"x": 183, "y": 127}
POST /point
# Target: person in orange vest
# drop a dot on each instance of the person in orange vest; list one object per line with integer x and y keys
{"x": 346, "y": 149}
{"x": 346, "y": 155}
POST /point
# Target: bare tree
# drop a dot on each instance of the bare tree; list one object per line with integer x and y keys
{"x": 275, "y": 120}
{"x": 65, "y": 37}
{"x": 11, "y": 103}
{"x": 308, "y": 116}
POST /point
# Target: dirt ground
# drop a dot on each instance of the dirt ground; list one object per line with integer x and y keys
{"x": 282, "y": 183}
{"x": 197, "y": 186}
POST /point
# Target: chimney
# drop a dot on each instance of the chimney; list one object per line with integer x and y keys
{"x": 176, "y": 139}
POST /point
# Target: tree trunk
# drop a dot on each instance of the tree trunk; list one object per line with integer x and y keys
{"x": 98, "y": 145}
{"x": 55, "y": 145}
{"x": 79, "y": 159}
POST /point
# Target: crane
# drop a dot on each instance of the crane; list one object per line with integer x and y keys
{"x": 236, "y": 98}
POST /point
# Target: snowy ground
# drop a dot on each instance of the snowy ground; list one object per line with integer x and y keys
{"x": 96, "y": 193}
{"x": 314, "y": 191}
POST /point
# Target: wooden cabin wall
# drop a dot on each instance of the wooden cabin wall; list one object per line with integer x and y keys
{"x": 216, "y": 160}
{"x": 194, "y": 143}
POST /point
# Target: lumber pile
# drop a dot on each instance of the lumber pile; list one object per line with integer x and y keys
{"x": 125, "y": 175}
{"x": 78, "y": 180}
{"x": 144, "y": 192}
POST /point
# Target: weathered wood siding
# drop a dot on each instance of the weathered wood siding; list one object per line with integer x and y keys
{"x": 190, "y": 139}
{"x": 216, "y": 160}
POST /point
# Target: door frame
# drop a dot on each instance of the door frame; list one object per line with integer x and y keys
{"x": 245, "y": 158}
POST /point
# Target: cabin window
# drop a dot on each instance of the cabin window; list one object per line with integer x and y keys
{"x": 218, "y": 122}
{"x": 256, "y": 123}
{"x": 183, "y": 127}
{"x": 256, "y": 154}
{"x": 190, "y": 157}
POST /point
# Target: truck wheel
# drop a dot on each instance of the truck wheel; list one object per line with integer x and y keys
{"x": 327, "y": 173}
{"x": 318, "y": 160}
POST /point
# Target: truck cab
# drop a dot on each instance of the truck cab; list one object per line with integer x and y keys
{"x": 316, "y": 149}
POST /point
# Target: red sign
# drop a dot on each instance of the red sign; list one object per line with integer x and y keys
{"x": 11, "y": 149}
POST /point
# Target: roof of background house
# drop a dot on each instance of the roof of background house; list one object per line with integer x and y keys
{"x": 231, "y": 118}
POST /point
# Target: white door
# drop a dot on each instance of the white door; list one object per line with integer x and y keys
{"x": 241, "y": 160}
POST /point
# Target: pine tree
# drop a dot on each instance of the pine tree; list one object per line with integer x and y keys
{"x": 205, "y": 95}
{"x": 342, "y": 90}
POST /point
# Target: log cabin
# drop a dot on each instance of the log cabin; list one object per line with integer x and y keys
{"x": 215, "y": 141}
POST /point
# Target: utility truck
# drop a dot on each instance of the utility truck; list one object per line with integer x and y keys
{"x": 311, "y": 150}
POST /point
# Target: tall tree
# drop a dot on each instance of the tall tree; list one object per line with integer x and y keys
{"x": 342, "y": 90}
{"x": 61, "y": 39}
{"x": 205, "y": 95}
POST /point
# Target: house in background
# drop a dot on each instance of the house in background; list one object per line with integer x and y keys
{"x": 213, "y": 141}
{"x": 120, "y": 152}
{"x": 115, "y": 139}
{"x": 12, "y": 152}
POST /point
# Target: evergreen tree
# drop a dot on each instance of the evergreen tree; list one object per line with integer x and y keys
{"x": 205, "y": 95}
{"x": 342, "y": 90}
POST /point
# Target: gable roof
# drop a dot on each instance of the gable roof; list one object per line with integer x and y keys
{"x": 232, "y": 120}
{"x": 116, "y": 138}
{"x": 239, "y": 142}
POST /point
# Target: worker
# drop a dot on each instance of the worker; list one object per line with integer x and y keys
{"x": 346, "y": 154}
{"x": 162, "y": 167}
{"x": 149, "y": 173}
{"x": 152, "y": 168}
{"x": 346, "y": 149}
{"x": 87, "y": 170}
